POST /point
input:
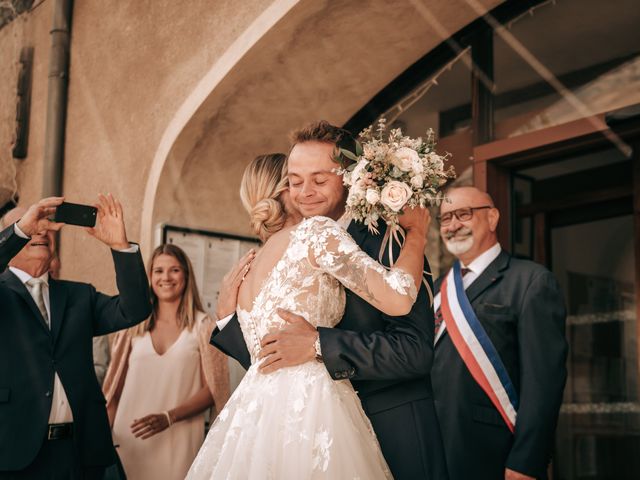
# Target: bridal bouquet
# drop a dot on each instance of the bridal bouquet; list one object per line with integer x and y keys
{"x": 390, "y": 174}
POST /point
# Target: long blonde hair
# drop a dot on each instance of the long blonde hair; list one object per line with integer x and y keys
{"x": 263, "y": 181}
{"x": 190, "y": 303}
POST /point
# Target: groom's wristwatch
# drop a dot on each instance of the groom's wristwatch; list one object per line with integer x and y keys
{"x": 316, "y": 346}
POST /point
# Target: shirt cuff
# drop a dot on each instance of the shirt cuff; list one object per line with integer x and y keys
{"x": 133, "y": 248}
{"x": 19, "y": 232}
{"x": 223, "y": 322}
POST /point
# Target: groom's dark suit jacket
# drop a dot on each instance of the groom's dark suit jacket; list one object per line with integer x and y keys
{"x": 388, "y": 360}
{"x": 520, "y": 306}
{"x": 30, "y": 353}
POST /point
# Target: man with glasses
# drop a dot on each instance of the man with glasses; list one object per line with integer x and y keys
{"x": 499, "y": 369}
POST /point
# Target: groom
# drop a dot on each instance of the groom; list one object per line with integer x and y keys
{"x": 388, "y": 359}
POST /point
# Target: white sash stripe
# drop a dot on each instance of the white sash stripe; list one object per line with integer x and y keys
{"x": 436, "y": 307}
{"x": 478, "y": 352}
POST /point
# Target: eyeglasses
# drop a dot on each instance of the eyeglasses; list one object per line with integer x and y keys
{"x": 462, "y": 214}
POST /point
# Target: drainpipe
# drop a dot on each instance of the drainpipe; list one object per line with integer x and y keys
{"x": 57, "y": 98}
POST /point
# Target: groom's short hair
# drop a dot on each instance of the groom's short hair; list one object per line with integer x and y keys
{"x": 323, "y": 131}
{"x": 319, "y": 131}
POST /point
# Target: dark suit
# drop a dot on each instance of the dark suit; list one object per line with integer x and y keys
{"x": 520, "y": 306}
{"x": 388, "y": 360}
{"x": 30, "y": 353}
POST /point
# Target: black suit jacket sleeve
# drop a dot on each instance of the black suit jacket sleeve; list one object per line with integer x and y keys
{"x": 230, "y": 341}
{"x": 543, "y": 352}
{"x": 402, "y": 350}
{"x": 132, "y": 305}
{"x": 10, "y": 246}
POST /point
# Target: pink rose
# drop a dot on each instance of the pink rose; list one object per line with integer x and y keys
{"x": 395, "y": 195}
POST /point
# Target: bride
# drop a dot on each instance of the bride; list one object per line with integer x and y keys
{"x": 299, "y": 423}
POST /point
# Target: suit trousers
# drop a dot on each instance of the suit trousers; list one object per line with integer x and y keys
{"x": 56, "y": 460}
{"x": 400, "y": 440}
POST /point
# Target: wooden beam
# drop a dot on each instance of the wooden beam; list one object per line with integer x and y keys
{"x": 482, "y": 86}
{"x": 539, "y": 139}
{"x": 636, "y": 221}
{"x": 578, "y": 200}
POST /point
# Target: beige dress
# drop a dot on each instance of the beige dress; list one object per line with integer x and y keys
{"x": 156, "y": 383}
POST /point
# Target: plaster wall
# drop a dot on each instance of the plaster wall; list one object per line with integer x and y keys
{"x": 168, "y": 101}
{"x": 132, "y": 65}
{"x": 27, "y": 30}
{"x": 321, "y": 60}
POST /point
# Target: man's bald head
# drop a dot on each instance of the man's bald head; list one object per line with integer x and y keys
{"x": 468, "y": 222}
{"x": 472, "y": 195}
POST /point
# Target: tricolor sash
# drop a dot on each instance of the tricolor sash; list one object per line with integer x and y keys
{"x": 474, "y": 345}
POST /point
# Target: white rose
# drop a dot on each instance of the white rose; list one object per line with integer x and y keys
{"x": 357, "y": 172}
{"x": 417, "y": 181}
{"x": 352, "y": 200}
{"x": 356, "y": 193}
{"x": 373, "y": 196}
{"x": 395, "y": 194}
{"x": 358, "y": 188}
{"x": 404, "y": 158}
{"x": 417, "y": 167}
{"x": 435, "y": 161}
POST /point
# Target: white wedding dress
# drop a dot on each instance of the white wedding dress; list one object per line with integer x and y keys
{"x": 298, "y": 423}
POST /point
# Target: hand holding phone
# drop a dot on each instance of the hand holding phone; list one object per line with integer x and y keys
{"x": 109, "y": 227}
{"x": 76, "y": 214}
{"x": 36, "y": 218}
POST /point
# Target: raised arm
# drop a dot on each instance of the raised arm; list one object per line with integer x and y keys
{"x": 392, "y": 291}
{"x": 133, "y": 304}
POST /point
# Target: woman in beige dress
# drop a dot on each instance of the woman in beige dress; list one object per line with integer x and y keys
{"x": 164, "y": 376}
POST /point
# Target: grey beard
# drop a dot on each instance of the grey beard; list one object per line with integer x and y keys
{"x": 458, "y": 247}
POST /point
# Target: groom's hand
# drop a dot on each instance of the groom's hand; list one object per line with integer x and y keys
{"x": 290, "y": 346}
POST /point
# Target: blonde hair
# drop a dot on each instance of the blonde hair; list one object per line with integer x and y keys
{"x": 263, "y": 181}
{"x": 190, "y": 303}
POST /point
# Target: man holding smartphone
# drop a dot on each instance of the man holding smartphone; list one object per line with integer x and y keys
{"x": 53, "y": 421}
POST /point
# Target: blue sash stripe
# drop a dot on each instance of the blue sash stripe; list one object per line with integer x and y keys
{"x": 482, "y": 336}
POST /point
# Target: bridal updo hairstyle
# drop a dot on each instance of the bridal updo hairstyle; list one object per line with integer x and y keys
{"x": 264, "y": 180}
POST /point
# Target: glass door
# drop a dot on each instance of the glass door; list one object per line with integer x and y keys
{"x": 575, "y": 215}
{"x": 598, "y": 434}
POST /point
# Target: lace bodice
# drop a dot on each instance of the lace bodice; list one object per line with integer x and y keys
{"x": 307, "y": 280}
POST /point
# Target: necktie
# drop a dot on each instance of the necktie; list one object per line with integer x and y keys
{"x": 439, "y": 318}
{"x": 35, "y": 288}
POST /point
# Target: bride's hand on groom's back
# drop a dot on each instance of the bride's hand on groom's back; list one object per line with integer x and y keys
{"x": 228, "y": 297}
{"x": 292, "y": 345}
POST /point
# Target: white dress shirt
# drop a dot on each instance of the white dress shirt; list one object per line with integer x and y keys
{"x": 60, "y": 408}
{"x": 343, "y": 221}
{"x": 475, "y": 269}
{"x": 480, "y": 264}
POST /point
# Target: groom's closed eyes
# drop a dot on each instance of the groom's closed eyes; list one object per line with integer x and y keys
{"x": 319, "y": 178}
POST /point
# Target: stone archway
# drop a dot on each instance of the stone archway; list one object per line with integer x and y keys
{"x": 298, "y": 61}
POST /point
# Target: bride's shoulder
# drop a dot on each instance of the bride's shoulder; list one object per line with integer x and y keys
{"x": 319, "y": 221}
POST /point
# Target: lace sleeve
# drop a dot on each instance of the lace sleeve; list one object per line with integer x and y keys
{"x": 332, "y": 250}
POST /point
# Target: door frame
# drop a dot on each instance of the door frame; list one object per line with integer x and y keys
{"x": 494, "y": 161}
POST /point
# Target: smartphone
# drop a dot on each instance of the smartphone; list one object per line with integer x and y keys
{"x": 76, "y": 214}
